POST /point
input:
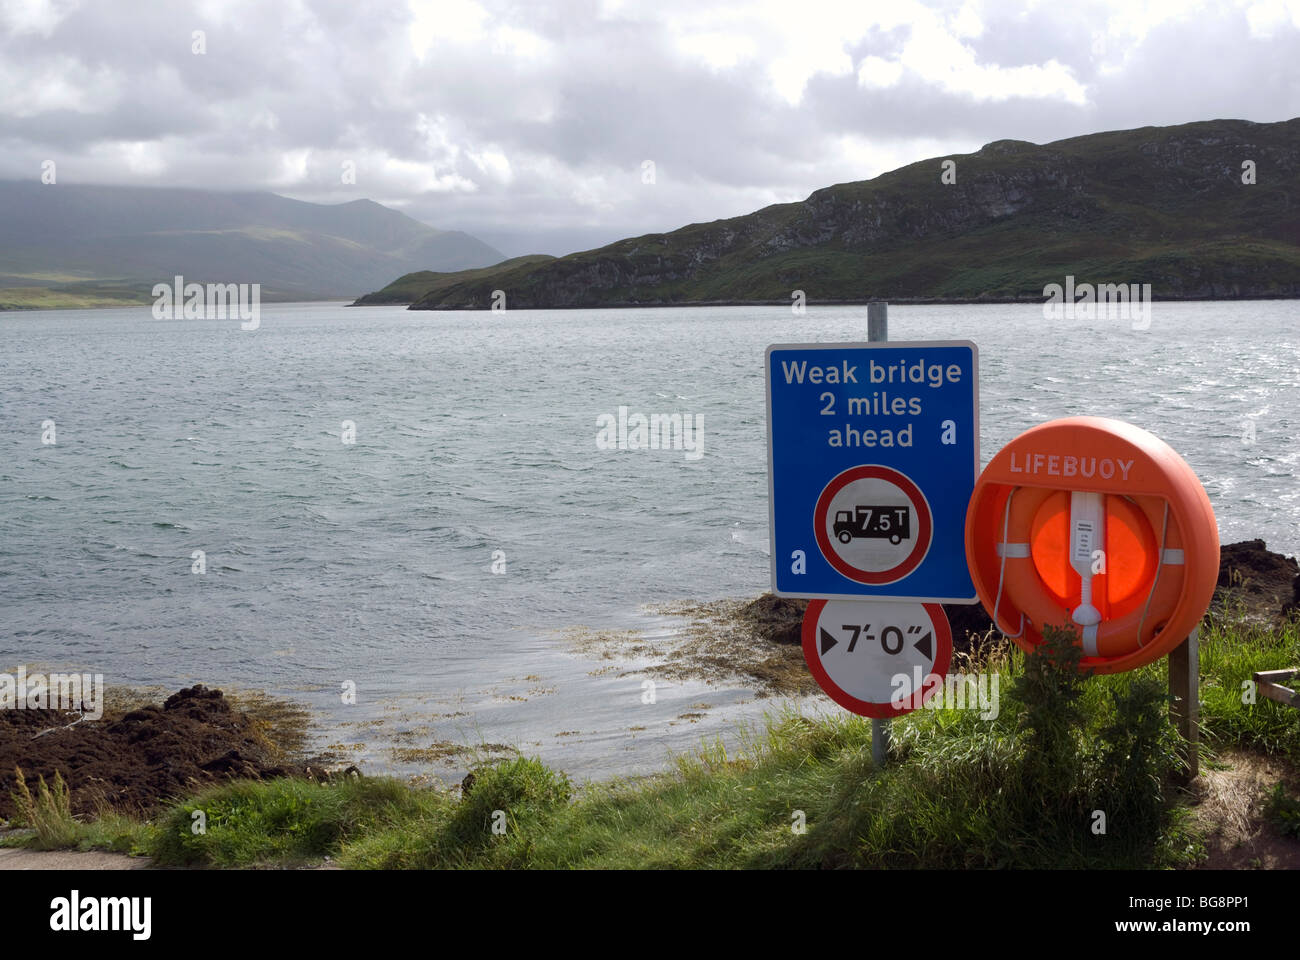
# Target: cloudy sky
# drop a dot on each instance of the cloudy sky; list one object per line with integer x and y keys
{"x": 532, "y": 125}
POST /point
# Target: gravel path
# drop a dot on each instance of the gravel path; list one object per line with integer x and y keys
{"x": 15, "y": 859}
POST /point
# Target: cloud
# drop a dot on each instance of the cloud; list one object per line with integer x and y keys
{"x": 531, "y": 122}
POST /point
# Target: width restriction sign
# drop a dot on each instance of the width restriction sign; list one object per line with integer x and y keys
{"x": 873, "y": 449}
{"x": 881, "y": 659}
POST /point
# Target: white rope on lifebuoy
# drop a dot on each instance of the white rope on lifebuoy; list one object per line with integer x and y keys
{"x": 1004, "y": 550}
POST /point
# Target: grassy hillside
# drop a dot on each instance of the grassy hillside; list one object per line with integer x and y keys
{"x": 74, "y": 296}
{"x": 413, "y": 286}
{"x": 1159, "y": 205}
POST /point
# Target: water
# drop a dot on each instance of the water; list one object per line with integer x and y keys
{"x": 372, "y": 562}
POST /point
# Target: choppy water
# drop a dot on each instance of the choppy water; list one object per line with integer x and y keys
{"x": 373, "y": 561}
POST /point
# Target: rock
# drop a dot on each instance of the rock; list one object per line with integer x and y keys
{"x": 969, "y": 622}
{"x": 779, "y": 619}
{"x": 1263, "y": 583}
{"x": 231, "y": 764}
{"x": 138, "y": 761}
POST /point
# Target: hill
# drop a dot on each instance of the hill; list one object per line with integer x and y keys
{"x": 76, "y": 244}
{"x": 1159, "y": 205}
{"x": 412, "y": 286}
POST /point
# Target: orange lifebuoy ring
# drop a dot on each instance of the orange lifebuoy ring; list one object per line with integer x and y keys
{"x": 1096, "y": 524}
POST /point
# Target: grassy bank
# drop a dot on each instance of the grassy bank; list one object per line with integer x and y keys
{"x": 71, "y": 297}
{"x": 1022, "y": 789}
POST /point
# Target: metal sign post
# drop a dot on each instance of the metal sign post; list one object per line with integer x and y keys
{"x": 878, "y": 329}
{"x": 873, "y": 450}
{"x": 878, "y": 320}
{"x": 1184, "y": 687}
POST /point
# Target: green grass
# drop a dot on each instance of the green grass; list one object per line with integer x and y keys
{"x": 1024, "y": 789}
{"x": 69, "y": 297}
{"x": 283, "y": 821}
{"x": 1231, "y": 650}
{"x": 1284, "y": 811}
{"x": 48, "y": 812}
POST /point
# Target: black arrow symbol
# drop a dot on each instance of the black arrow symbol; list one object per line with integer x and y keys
{"x": 828, "y": 641}
{"x": 924, "y": 646}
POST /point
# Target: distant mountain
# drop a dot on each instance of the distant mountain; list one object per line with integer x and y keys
{"x": 1159, "y": 205}
{"x": 112, "y": 243}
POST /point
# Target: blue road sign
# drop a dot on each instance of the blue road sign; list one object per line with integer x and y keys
{"x": 872, "y": 454}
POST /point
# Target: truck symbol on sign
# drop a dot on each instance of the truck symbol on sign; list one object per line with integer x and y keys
{"x": 874, "y": 523}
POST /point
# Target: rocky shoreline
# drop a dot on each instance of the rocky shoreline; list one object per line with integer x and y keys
{"x": 142, "y": 754}
{"x": 1206, "y": 296}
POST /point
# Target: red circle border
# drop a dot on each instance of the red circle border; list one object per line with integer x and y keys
{"x": 925, "y": 525}
{"x": 865, "y": 708}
